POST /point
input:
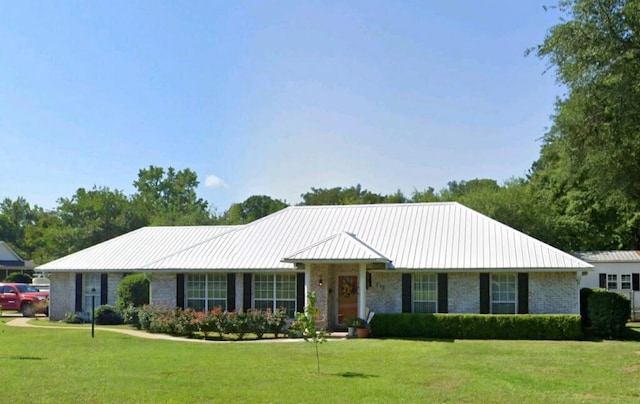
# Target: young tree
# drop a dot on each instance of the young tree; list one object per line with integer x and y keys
{"x": 306, "y": 325}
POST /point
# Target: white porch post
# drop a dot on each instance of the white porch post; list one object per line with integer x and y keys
{"x": 362, "y": 287}
{"x": 307, "y": 283}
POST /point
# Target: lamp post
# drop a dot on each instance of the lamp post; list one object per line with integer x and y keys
{"x": 93, "y": 310}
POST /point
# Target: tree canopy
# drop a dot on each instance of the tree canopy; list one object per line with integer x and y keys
{"x": 588, "y": 172}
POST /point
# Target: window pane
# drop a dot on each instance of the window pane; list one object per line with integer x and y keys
{"x": 503, "y": 308}
{"x": 612, "y": 281}
{"x": 206, "y": 291}
{"x": 273, "y": 291}
{"x": 425, "y": 288}
{"x": 91, "y": 281}
{"x": 503, "y": 293}
{"x": 625, "y": 281}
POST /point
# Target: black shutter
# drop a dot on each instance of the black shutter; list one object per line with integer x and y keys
{"x": 246, "y": 294}
{"x": 231, "y": 292}
{"x": 523, "y": 293}
{"x": 603, "y": 281}
{"x": 104, "y": 288}
{"x": 485, "y": 299}
{"x": 406, "y": 293}
{"x": 443, "y": 293}
{"x": 78, "y": 292}
{"x": 180, "y": 290}
{"x": 301, "y": 298}
{"x": 635, "y": 281}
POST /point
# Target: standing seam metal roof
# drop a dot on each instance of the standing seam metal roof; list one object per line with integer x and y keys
{"x": 135, "y": 249}
{"x": 429, "y": 236}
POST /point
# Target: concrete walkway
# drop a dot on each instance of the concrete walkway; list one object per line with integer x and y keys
{"x": 23, "y": 322}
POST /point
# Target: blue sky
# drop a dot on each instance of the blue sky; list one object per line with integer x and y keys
{"x": 269, "y": 97}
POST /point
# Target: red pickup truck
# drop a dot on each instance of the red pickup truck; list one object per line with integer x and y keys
{"x": 23, "y": 297}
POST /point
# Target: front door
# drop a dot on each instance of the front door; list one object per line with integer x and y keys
{"x": 347, "y": 298}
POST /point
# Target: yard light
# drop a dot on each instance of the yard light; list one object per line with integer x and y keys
{"x": 93, "y": 310}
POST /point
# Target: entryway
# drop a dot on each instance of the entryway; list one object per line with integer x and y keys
{"x": 347, "y": 298}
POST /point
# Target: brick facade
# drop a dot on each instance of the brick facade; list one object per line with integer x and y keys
{"x": 549, "y": 293}
{"x": 554, "y": 293}
{"x": 162, "y": 290}
{"x": 62, "y": 296}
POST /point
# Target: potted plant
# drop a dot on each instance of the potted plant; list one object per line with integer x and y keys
{"x": 352, "y": 323}
{"x": 360, "y": 324}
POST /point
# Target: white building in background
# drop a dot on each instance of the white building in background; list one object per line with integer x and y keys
{"x": 617, "y": 271}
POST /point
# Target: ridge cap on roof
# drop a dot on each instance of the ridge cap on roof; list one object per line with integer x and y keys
{"x": 360, "y": 205}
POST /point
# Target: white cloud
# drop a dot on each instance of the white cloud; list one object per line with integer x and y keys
{"x": 212, "y": 181}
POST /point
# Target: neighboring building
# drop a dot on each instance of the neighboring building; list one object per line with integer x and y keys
{"x": 618, "y": 271}
{"x": 426, "y": 257}
{"x": 11, "y": 262}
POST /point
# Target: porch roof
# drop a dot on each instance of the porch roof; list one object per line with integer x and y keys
{"x": 340, "y": 247}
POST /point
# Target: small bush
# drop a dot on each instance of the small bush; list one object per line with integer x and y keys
{"x": 130, "y": 316}
{"x": 107, "y": 315}
{"x": 133, "y": 290}
{"x": 608, "y": 313}
{"x": 17, "y": 277}
{"x": 72, "y": 318}
{"x": 476, "y": 326}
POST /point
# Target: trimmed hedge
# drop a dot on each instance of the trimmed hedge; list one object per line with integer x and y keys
{"x": 608, "y": 312}
{"x": 477, "y": 326}
{"x": 107, "y": 315}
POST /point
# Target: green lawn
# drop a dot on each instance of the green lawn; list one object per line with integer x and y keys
{"x": 60, "y": 365}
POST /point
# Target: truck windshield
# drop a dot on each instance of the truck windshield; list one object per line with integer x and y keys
{"x": 26, "y": 288}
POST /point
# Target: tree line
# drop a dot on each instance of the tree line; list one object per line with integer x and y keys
{"x": 582, "y": 193}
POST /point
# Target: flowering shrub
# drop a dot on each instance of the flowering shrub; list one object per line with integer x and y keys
{"x": 187, "y": 322}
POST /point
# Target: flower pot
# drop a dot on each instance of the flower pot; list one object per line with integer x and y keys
{"x": 351, "y": 332}
{"x": 362, "y": 332}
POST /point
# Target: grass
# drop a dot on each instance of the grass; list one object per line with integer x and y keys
{"x": 68, "y": 366}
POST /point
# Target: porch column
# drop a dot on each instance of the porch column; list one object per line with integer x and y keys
{"x": 362, "y": 287}
{"x": 307, "y": 282}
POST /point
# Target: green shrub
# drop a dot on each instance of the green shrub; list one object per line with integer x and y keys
{"x": 608, "y": 312}
{"x": 476, "y": 326}
{"x": 72, "y": 318}
{"x": 17, "y": 277}
{"x": 133, "y": 290}
{"x": 107, "y": 315}
{"x": 130, "y": 316}
{"x": 584, "y": 306}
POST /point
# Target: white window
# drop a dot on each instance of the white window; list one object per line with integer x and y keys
{"x": 625, "y": 281}
{"x": 205, "y": 292}
{"x": 275, "y": 292}
{"x": 91, "y": 281}
{"x": 612, "y": 281}
{"x": 425, "y": 293}
{"x": 503, "y": 293}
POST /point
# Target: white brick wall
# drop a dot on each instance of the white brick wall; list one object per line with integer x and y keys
{"x": 385, "y": 293}
{"x": 62, "y": 295}
{"x": 554, "y": 293}
{"x": 163, "y": 290}
{"x": 464, "y": 293}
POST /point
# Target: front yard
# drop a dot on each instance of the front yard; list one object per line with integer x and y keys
{"x": 54, "y": 365}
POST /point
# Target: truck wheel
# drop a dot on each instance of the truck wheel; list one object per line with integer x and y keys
{"x": 26, "y": 309}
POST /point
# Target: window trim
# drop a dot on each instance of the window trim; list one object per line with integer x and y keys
{"x": 432, "y": 279}
{"x": 206, "y": 297}
{"x": 86, "y": 290}
{"x": 492, "y": 301}
{"x": 612, "y": 279}
{"x": 629, "y": 282}
{"x": 274, "y": 298}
